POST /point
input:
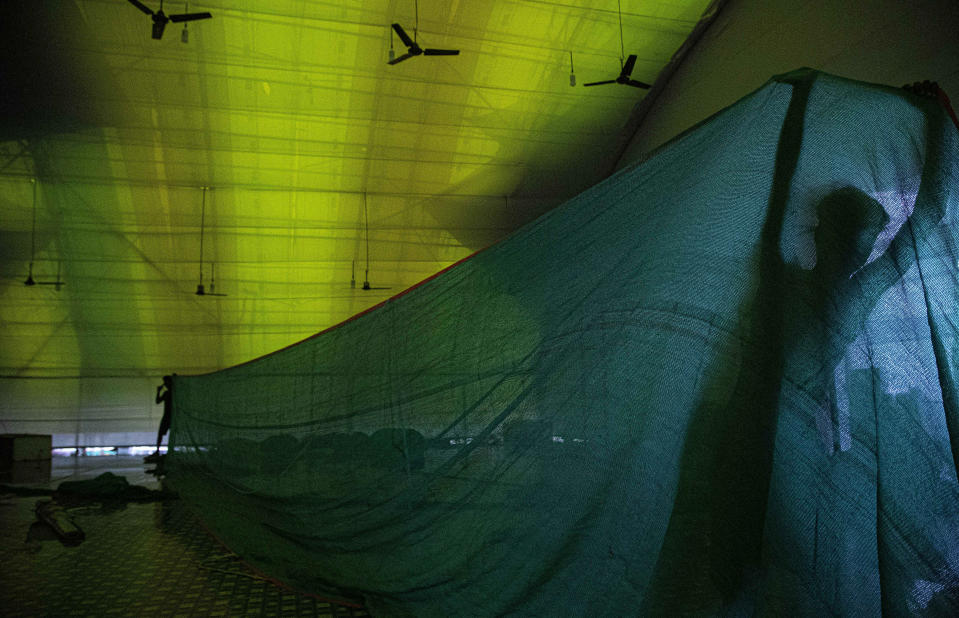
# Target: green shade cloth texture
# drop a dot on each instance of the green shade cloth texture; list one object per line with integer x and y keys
{"x": 722, "y": 381}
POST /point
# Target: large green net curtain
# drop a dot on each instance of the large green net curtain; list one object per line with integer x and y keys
{"x": 721, "y": 381}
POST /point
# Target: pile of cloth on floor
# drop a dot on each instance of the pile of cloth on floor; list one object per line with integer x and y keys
{"x": 108, "y": 490}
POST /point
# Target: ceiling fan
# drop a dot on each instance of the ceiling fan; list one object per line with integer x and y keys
{"x": 413, "y": 49}
{"x": 624, "y": 76}
{"x": 626, "y": 69}
{"x": 161, "y": 19}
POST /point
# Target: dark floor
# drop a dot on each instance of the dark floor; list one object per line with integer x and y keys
{"x": 138, "y": 559}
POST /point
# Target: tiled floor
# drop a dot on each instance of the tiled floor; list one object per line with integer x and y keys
{"x": 138, "y": 559}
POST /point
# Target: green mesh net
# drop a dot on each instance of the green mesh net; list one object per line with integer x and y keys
{"x": 721, "y": 381}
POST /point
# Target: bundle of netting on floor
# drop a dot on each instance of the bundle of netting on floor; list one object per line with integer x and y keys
{"x": 723, "y": 380}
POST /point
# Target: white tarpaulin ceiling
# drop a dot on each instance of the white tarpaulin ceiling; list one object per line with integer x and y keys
{"x": 316, "y": 153}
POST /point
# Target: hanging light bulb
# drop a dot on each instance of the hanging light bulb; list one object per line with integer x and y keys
{"x": 33, "y": 235}
{"x": 572, "y": 76}
{"x": 59, "y": 283}
{"x": 366, "y": 219}
{"x": 199, "y": 286}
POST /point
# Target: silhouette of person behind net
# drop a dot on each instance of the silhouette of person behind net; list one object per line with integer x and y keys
{"x": 164, "y": 396}
{"x": 798, "y": 326}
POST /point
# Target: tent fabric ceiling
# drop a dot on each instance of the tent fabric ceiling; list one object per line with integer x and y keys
{"x": 320, "y": 158}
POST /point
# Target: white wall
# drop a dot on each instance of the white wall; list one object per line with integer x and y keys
{"x": 82, "y": 412}
{"x": 883, "y": 41}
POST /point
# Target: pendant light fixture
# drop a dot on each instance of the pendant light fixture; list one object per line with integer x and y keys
{"x": 202, "y": 290}
{"x": 33, "y": 236}
{"x": 30, "y": 281}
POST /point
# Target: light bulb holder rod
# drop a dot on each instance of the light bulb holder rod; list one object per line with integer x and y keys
{"x": 199, "y": 289}
{"x": 622, "y": 48}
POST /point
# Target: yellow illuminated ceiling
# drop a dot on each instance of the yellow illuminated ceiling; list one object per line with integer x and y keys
{"x": 288, "y": 111}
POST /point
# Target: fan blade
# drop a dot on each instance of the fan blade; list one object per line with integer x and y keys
{"x": 441, "y": 52}
{"x": 403, "y": 36}
{"x": 141, "y": 6}
{"x": 608, "y": 81}
{"x": 628, "y": 67}
{"x": 189, "y": 17}
{"x": 158, "y": 26}
{"x": 637, "y": 84}
{"x": 399, "y": 59}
